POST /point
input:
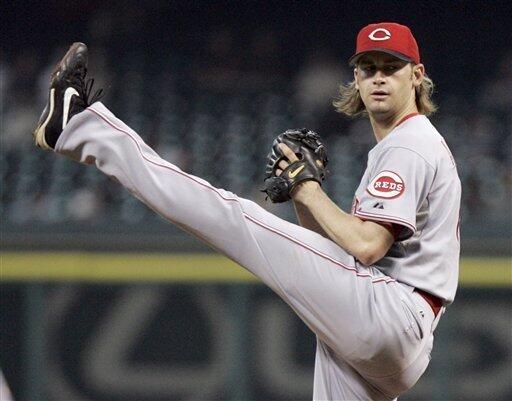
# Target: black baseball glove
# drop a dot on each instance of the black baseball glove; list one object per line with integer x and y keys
{"x": 312, "y": 156}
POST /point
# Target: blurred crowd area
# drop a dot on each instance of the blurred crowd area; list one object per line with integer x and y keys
{"x": 214, "y": 111}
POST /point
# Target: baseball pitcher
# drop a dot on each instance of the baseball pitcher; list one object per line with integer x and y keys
{"x": 372, "y": 284}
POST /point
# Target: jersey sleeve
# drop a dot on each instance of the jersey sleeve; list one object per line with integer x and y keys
{"x": 398, "y": 184}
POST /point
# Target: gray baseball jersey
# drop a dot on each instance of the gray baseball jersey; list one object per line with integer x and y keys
{"x": 374, "y": 332}
{"x": 411, "y": 181}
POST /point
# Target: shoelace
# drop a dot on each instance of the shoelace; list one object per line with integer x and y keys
{"x": 87, "y": 90}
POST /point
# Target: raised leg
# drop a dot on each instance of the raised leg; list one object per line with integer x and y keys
{"x": 354, "y": 310}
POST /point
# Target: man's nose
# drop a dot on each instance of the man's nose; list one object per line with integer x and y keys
{"x": 379, "y": 77}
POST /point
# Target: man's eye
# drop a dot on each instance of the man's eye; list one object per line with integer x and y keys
{"x": 391, "y": 68}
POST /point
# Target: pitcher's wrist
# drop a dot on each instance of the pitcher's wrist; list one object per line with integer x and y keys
{"x": 305, "y": 191}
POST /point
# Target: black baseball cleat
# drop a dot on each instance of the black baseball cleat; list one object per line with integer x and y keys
{"x": 69, "y": 95}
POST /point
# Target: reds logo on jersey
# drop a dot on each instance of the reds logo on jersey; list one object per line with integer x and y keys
{"x": 387, "y": 185}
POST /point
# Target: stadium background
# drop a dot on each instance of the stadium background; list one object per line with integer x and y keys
{"x": 102, "y": 300}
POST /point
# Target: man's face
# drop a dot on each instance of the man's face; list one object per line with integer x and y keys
{"x": 386, "y": 83}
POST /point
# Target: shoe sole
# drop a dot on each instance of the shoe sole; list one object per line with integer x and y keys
{"x": 39, "y": 138}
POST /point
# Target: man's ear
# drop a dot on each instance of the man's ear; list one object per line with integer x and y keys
{"x": 355, "y": 78}
{"x": 418, "y": 72}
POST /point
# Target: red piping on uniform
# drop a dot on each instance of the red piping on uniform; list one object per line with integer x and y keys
{"x": 377, "y": 217}
{"x": 406, "y": 118}
{"x": 254, "y": 220}
{"x": 385, "y": 218}
{"x": 274, "y": 230}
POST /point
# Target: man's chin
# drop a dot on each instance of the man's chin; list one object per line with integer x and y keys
{"x": 380, "y": 111}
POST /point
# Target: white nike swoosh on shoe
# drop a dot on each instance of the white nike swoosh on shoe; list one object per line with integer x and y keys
{"x": 67, "y": 102}
{"x": 39, "y": 135}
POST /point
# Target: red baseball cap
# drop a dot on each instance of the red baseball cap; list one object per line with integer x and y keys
{"x": 387, "y": 37}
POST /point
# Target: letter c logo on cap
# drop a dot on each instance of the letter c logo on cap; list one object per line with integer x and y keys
{"x": 378, "y": 33}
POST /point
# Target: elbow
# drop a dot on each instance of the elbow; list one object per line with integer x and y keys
{"x": 370, "y": 253}
{"x": 367, "y": 259}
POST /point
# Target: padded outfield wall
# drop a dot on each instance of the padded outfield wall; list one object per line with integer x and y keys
{"x": 155, "y": 327}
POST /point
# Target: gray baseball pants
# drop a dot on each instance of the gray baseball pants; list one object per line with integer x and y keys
{"x": 374, "y": 334}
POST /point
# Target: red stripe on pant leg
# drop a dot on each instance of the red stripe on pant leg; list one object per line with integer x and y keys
{"x": 254, "y": 220}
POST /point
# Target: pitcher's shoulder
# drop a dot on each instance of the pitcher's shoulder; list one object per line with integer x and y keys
{"x": 419, "y": 135}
